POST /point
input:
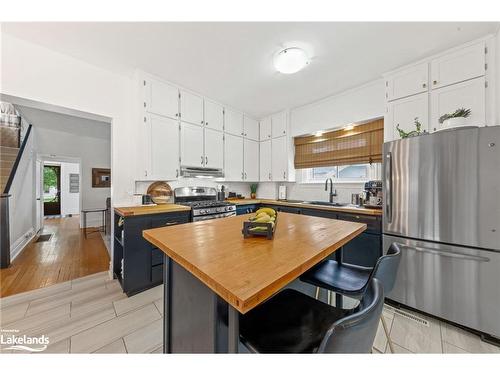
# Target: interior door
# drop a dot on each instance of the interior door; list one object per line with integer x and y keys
{"x": 164, "y": 149}
{"x": 52, "y": 190}
{"x": 251, "y": 162}
{"x": 233, "y": 161}
{"x": 192, "y": 154}
{"x": 265, "y": 161}
{"x": 214, "y": 149}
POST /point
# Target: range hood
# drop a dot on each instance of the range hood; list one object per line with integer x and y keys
{"x": 201, "y": 172}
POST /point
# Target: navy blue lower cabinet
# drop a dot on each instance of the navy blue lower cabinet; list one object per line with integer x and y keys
{"x": 288, "y": 209}
{"x": 363, "y": 250}
{"x": 246, "y": 209}
{"x": 319, "y": 213}
{"x": 137, "y": 264}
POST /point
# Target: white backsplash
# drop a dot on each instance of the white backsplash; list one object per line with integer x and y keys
{"x": 267, "y": 190}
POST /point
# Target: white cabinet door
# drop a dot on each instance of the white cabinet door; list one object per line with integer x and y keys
{"x": 163, "y": 148}
{"x": 458, "y": 66}
{"x": 214, "y": 149}
{"x": 161, "y": 98}
{"x": 278, "y": 124}
{"x": 251, "y": 128}
{"x": 192, "y": 154}
{"x": 265, "y": 129}
{"x": 233, "y": 160}
{"x": 408, "y": 82}
{"x": 191, "y": 108}
{"x": 265, "y": 161}
{"x": 214, "y": 115}
{"x": 403, "y": 112}
{"x": 251, "y": 160}
{"x": 233, "y": 122}
{"x": 279, "y": 159}
{"x": 469, "y": 94}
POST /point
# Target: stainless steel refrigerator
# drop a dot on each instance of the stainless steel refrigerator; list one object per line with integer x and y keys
{"x": 442, "y": 206}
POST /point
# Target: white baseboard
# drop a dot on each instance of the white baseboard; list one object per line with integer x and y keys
{"x": 20, "y": 244}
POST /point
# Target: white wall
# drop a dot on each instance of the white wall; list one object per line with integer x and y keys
{"x": 358, "y": 104}
{"x": 70, "y": 202}
{"x": 497, "y": 67}
{"x": 21, "y": 202}
{"x": 34, "y": 72}
{"x": 93, "y": 152}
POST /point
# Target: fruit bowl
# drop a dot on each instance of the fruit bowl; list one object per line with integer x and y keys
{"x": 262, "y": 224}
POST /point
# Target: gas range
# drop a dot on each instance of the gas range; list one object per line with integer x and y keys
{"x": 203, "y": 202}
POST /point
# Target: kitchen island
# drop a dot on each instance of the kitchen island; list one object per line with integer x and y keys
{"x": 212, "y": 274}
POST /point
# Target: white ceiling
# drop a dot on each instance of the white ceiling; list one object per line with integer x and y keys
{"x": 232, "y": 62}
{"x": 77, "y": 126}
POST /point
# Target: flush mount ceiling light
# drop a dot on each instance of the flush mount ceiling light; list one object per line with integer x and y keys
{"x": 290, "y": 60}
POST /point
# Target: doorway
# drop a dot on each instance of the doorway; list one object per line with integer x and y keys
{"x": 52, "y": 190}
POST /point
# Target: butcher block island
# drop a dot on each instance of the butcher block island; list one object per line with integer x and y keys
{"x": 212, "y": 273}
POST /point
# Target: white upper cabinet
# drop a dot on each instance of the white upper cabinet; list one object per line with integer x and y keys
{"x": 192, "y": 154}
{"x": 191, "y": 108}
{"x": 214, "y": 149}
{"x": 164, "y": 148}
{"x": 233, "y": 122}
{"x": 278, "y": 124}
{"x": 403, "y": 112}
{"x": 233, "y": 160}
{"x": 161, "y": 98}
{"x": 469, "y": 95}
{"x": 265, "y": 161}
{"x": 279, "y": 158}
{"x": 458, "y": 66}
{"x": 251, "y": 128}
{"x": 214, "y": 115}
{"x": 251, "y": 160}
{"x": 411, "y": 81}
{"x": 265, "y": 129}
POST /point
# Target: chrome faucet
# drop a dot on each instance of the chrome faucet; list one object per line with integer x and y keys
{"x": 333, "y": 192}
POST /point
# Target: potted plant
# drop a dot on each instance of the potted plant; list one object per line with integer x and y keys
{"x": 253, "y": 190}
{"x": 413, "y": 133}
{"x": 457, "y": 118}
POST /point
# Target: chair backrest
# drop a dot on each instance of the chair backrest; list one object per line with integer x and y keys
{"x": 386, "y": 268}
{"x": 355, "y": 333}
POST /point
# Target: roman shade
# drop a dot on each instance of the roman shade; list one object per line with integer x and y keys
{"x": 362, "y": 144}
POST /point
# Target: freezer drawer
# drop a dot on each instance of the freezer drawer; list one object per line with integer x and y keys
{"x": 455, "y": 283}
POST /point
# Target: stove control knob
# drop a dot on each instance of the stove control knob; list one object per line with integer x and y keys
{"x": 219, "y": 209}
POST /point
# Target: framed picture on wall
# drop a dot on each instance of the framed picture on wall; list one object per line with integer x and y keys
{"x": 101, "y": 177}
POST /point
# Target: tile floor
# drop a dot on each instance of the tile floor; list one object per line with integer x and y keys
{"x": 92, "y": 315}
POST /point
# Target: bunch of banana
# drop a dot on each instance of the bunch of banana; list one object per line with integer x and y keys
{"x": 263, "y": 215}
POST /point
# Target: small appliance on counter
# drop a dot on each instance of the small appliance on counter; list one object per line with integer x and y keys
{"x": 221, "y": 194}
{"x": 282, "y": 193}
{"x": 373, "y": 194}
{"x": 146, "y": 199}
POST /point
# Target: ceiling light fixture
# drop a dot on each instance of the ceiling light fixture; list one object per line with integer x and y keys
{"x": 290, "y": 60}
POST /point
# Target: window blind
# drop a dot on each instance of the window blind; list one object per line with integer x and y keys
{"x": 363, "y": 144}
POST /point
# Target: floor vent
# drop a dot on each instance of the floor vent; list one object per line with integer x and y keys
{"x": 412, "y": 317}
{"x": 44, "y": 237}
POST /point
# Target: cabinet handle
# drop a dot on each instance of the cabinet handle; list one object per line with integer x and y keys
{"x": 206, "y": 160}
{"x": 171, "y": 223}
{"x": 202, "y": 122}
{"x": 176, "y": 115}
{"x": 242, "y": 176}
{"x": 284, "y": 175}
{"x": 201, "y": 159}
{"x": 145, "y": 173}
{"x": 245, "y": 175}
{"x": 269, "y": 175}
{"x": 424, "y": 85}
{"x": 242, "y": 134}
{"x": 206, "y": 123}
{"x": 284, "y": 131}
{"x": 176, "y": 173}
{"x": 435, "y": 82}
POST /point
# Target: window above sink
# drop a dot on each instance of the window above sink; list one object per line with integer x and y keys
{"x": 353, "y": 173}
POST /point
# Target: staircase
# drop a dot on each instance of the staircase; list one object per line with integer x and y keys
{"x": 7, "y": 159}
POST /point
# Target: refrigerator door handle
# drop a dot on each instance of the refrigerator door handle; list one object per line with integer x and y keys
{"x": 444, "y": 253}
{"x": 388, "y": 187}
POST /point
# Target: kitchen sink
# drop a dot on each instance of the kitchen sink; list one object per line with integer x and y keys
{"x": 324, "y": 203}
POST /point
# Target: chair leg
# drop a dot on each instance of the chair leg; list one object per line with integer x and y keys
{"x": 384, "y": 324}
{"x": 329, "y": 297}
{"x": 317, "y": 293}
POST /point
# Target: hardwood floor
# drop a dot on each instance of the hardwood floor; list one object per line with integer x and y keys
{"x": 66, "y": 256}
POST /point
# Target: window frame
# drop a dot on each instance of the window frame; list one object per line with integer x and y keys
{"x": 374, "y": 173}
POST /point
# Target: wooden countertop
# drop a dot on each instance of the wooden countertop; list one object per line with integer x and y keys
{"x": 245, "y": 272}
{"x": 347, "y": 209}
{"x": 150, "y": 210}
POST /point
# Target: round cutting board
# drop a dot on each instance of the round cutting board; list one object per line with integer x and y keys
{"x": 160, "y": 192}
